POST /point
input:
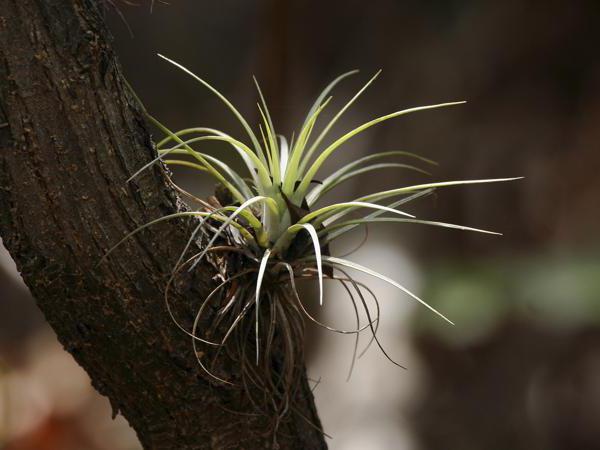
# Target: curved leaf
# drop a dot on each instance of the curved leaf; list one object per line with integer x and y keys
{"x": 232, "y": 108}
{"x": 310, "y": 174}
{"x": 352, "y": 265}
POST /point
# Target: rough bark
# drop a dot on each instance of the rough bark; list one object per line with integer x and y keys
{"x": 70, "y": 136}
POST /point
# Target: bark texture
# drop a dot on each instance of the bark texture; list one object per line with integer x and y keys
{"x": 70, "y": 136}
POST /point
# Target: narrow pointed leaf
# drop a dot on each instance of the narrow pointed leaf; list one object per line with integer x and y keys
{"x": 325, "y": 92}
{"x": 229, "y": 105}
{"x": 316, "y": 193}
{"x": 259, "y": 280}
{"x": 317, "y": 247}
{"x": 310, "y": 174}
{"x": 332, "y": 183}
{"x": 249, "y": 164}
{"x": 283, "y": 161}
{"x": 365, "y": 221}
{"x": 326, "y": 211}
{"x": 234, "y": 191}
{"x": 352, "y": 265}
{"x": 146, "y": 225}
{"x": 229, "y": 221}
{"x": 326, "y": 130}
{"x": 393, "y": 192}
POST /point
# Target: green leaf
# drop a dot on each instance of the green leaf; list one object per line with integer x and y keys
{"x": 324, "y": 94}
{"x": 365, "y": 221}
{"x": 292, "y": 172}
{"x": 346, "y": 205}
{"x": 317, "y": 247}
{"x": 180, "y": 162}
{"x": 326, "y": 130}
{"x": 263, "y": 173}
{"x": 232, "y": 174}
{"x": 272, "y": 148}
{"x": 310, "y": 174}
{"x": 146, "y": 225}
{"x": 333, "y": 234}
{"x": 394, "y": 192}
{"x": 316, "y": 193}
{"x": 284, "y": 155}
{"x": 177, "y": 150}
{"x": 229, "y": 221}
{"x": 232, "y": 108}
{"x": 259, "y": 280}
{"x": 249, "y": 164}
{"x": 352, "y": 265}
{"x": 331, "y": 183}
{"x": 234, "y": 191}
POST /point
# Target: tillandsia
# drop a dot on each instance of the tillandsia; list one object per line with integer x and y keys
{"x": 272, "y": 234}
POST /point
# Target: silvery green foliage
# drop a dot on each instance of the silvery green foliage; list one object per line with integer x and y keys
{"x": 274, "y": 200}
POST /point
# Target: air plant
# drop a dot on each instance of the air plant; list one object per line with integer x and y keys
{"x": 270, "y": 234}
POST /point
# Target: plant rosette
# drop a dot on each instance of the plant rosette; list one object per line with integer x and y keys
{"x": 266, "y": 227}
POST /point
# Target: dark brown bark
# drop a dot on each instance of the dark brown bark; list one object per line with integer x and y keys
{"x": 70, "y": 136}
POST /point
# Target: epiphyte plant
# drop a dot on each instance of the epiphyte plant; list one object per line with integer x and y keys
{"x": 268, "y": 233}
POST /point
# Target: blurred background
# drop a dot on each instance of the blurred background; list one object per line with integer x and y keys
{"x": 521, "y": 368}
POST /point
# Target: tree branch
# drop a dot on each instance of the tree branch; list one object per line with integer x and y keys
{"x": 70, "y": 136}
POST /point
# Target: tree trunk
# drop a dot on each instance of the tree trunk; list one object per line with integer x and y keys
{"x": 70, "y": 136}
